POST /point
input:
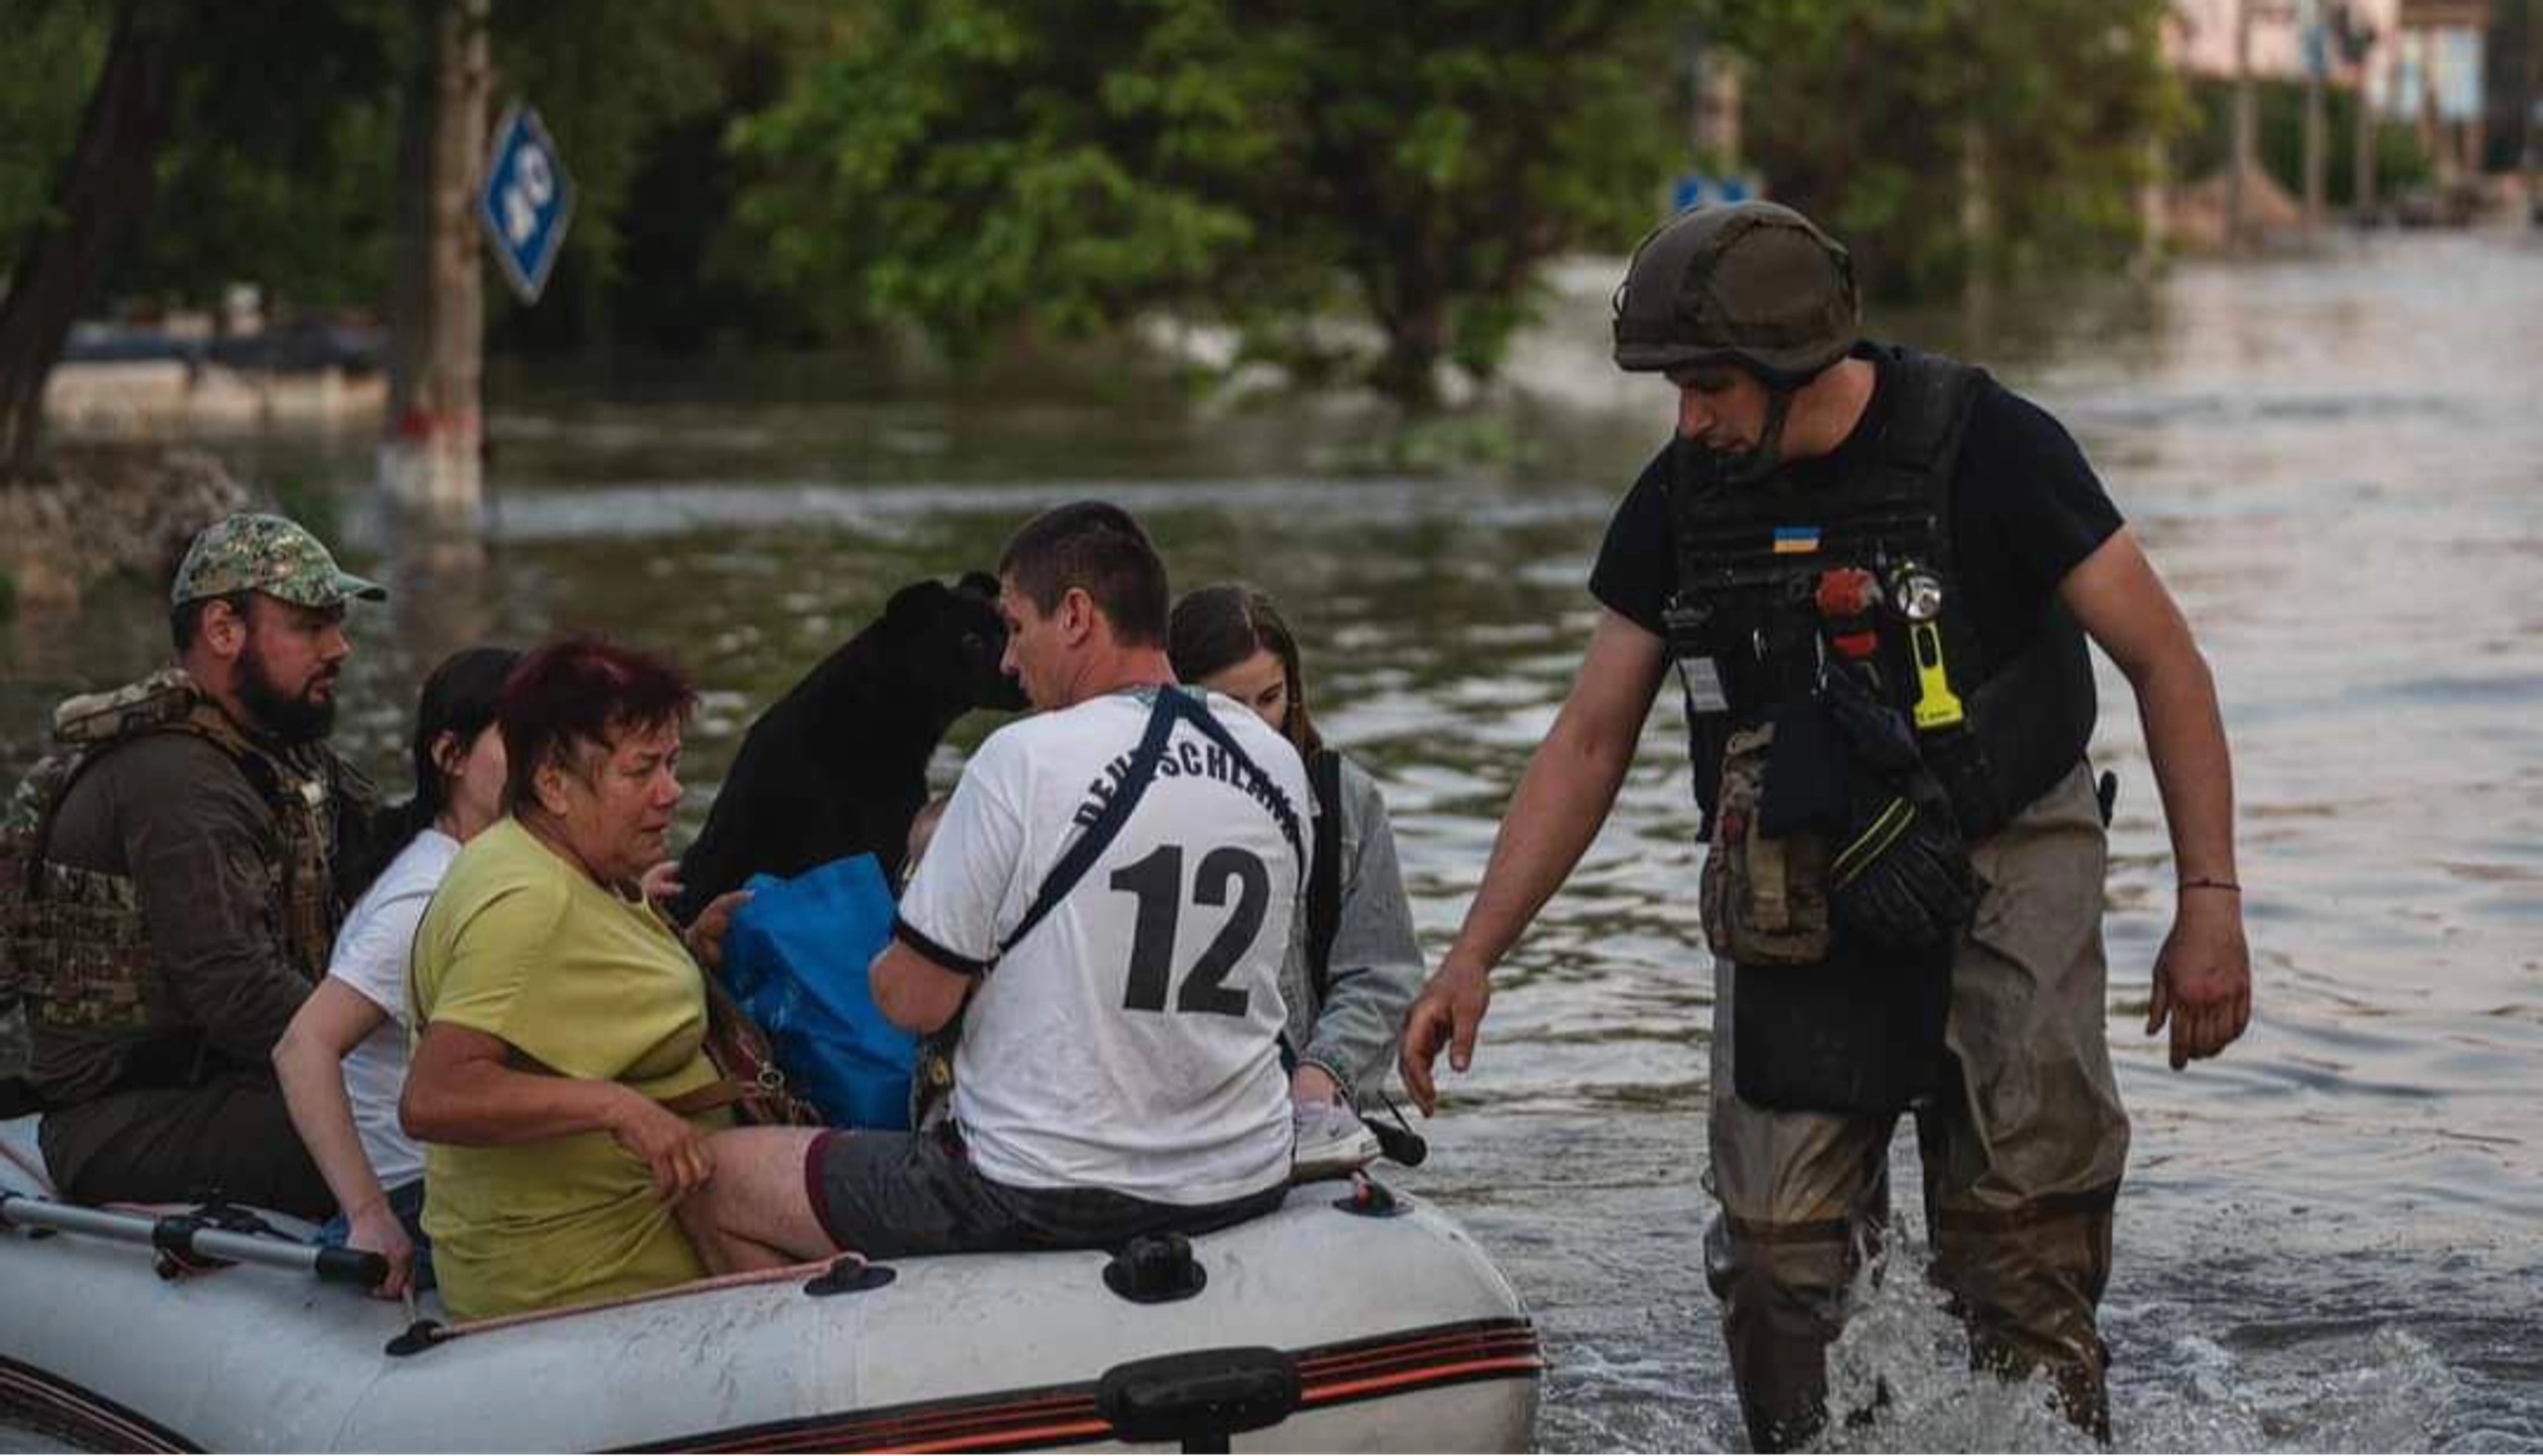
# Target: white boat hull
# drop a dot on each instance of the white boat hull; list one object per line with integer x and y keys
{"x": 1403, "y": 1337}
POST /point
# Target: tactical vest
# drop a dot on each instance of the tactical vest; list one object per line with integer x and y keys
{"x": 76, "y": 945}
{"x": 1749, "y": 635}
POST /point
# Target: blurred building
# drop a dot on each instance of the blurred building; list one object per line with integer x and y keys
{"x": 2419, "y": 61}
{"x": 2202, "y": 41}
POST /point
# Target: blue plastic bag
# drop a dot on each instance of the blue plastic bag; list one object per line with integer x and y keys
{"x": 794, "y": 957}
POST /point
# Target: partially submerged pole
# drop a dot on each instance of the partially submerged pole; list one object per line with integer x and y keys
{"x": 429, "y": 455}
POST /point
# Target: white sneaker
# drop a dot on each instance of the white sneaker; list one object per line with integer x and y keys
{"x": 1331, "y": 1141}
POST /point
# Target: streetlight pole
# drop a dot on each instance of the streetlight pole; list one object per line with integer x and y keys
{"x": 2534, "y": 149}
{"x": 2361, "y": 199}
{"x": 2316, "y": 56}
{"x": 2246, "y": 127}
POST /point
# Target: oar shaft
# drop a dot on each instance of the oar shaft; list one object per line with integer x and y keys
{"x": 186, "y": 1235}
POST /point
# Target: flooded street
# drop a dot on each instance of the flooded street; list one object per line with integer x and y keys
{"x": 2333, "y": 1239}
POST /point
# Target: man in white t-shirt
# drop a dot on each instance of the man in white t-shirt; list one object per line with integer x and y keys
{"x": 1106, "y": 904}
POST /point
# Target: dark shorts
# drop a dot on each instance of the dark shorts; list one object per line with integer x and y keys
{"x": 896, "y": 1195}
{"x": 231, "y": 1135}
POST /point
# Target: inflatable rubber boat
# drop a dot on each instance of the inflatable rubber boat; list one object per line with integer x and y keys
{"x": 1352, "y": 1319}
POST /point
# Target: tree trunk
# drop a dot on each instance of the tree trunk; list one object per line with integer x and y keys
{"x": 99, "y": 201}
{"x": 430, "y": 456}
{"x": 1417, "y": 339}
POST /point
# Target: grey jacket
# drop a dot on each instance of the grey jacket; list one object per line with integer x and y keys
{"x": 1377, "y": 965}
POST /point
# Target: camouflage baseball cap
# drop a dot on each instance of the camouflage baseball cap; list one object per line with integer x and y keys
{"x": 269, "y": 555}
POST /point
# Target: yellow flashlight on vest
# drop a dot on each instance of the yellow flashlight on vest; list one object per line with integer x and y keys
{"x": 1937, "y": 706}
{"x": 1919, "y": 595}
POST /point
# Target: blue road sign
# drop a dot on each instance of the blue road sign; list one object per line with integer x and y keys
{"x": 527, "y": 201}
{"x": 1692, "y": 187}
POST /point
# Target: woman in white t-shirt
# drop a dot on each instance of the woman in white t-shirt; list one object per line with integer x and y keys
{"x": 343, "y": 1058}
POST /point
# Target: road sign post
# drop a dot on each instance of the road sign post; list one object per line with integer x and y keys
{"x": 527, "y": 203}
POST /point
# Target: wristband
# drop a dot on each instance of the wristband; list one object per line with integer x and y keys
{"x": 2203, "y": 883}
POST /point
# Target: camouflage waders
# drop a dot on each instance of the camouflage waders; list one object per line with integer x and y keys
{"x": 2021, "y": 1159}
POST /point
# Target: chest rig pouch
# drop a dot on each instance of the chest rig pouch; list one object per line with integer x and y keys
{"x": 76, "y": 944}
{"x": 1847, "y": 740}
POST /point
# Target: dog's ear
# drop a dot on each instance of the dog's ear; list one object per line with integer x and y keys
{"x": 979, "y": 584}
{"x": 919, "y": 599}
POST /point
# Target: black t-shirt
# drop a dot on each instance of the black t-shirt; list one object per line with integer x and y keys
{"x": 2026, "y": 509}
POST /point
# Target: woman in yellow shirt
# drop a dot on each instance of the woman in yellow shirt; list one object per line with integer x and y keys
{"x": 558, "y": 1011}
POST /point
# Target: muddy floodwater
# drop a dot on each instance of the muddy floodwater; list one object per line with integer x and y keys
{"x": 2333, "y": 1239}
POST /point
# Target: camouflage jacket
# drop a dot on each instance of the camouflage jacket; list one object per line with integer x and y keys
{"x": 167, "y": 888}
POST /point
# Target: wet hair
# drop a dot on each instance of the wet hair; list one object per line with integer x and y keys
{"x": 1096, "y": 547}
{"x": 586, "y": 693}
{"x": 1226, "y": 622}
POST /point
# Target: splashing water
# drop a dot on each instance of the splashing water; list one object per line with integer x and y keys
{"x": 1902, "y": 1369}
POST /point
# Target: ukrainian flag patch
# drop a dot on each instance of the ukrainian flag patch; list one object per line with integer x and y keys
{"x": 1794, "y": 540}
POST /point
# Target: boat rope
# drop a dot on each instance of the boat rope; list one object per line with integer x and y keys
{"x": 425, "y": 1334}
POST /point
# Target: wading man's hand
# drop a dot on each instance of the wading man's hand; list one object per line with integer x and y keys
{"x": 1448, "y": 1013}
{"x": 2204, "y": 977}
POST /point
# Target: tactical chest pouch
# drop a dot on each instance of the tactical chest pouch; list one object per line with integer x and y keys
{"x": 1838, "y": 888}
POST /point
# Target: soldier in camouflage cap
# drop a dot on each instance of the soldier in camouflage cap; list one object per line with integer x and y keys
{"x": 266, "y": 554}
{"x": 177, "y": 896}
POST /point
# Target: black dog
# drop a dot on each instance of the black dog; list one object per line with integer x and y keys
{"x": 839, "y": 765}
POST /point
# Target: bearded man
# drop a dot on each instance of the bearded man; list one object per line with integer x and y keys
{"x": 184, "y": 893}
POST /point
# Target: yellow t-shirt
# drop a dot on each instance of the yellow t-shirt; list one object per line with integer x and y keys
{"x": 521, "y": 945}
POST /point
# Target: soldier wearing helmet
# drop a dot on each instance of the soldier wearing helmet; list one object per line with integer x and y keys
{"x": 173, "y": 892}
{"x": 1875, "y": 571}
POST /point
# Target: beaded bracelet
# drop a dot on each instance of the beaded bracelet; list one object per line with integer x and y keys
{"x": 2206, "y": 884}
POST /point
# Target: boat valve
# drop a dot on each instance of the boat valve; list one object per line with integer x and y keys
{"x": 1155, "y": 1268}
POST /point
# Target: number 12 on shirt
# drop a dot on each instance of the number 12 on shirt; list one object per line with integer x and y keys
{"x": 1157, "y": 884}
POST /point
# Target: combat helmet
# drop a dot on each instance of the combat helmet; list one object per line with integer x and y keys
{"x": 1753, "y": 283}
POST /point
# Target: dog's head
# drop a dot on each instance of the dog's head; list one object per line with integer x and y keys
{"x": 948, "y": 640}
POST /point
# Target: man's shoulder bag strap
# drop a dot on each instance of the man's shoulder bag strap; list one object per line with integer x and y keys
{"x": 1171, "y": 704}
{"x": 1099, "y": 836}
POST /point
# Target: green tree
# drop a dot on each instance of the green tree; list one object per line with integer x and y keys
{"x": 612, "y": 79}
{"x": 99, "y": 195}
{"x": 1949, "y": 140}
{"x": 268, "y": 128}
{"x": 2201, "y": 149}
{"x": 971, "y": 166}
{"x": 46, "y": 70}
